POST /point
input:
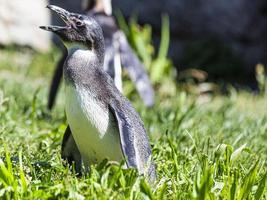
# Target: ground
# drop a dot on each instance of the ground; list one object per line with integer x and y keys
{"x": 204, "y": 147}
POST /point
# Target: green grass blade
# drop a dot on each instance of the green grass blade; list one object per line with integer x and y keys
{"x": 122, "y": 22}
{"x": 146, "y": 189}
{"x": 261, "y": 187}
{"x": 236, "y": 154}
{"x": 22, "y": 175}
{"x": 165, "y": 37}
{"x": 248, "y": 182}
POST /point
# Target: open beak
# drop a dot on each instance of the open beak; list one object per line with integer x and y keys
{"x": 63, "y": 14}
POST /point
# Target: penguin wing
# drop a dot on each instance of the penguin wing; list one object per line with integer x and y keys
{"x": 126, "y": 136}
{"x": 70, "y": 151}
{"x": 56, "y": 81}
{"x": 136, "y": 70}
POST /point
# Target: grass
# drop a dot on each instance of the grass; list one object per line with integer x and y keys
{"x": 207, "y": 147}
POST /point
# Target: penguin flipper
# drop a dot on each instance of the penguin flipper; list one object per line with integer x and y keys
{"x": 136, "y": 71}
{"x": 70, "y": 152}
{"x": 56, "y": 81}
{"x": 126, "y": 137}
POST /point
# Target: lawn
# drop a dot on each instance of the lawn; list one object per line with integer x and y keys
{"x": 204, "y": 147}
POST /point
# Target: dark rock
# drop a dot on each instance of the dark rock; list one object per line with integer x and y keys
{"x": 238, "y": 26}
{"x": 204, "y": 33}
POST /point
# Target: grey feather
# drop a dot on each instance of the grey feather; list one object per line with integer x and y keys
{"x": 136, "y": 70}
{"x": 86, "y": 81}
{"x": 126, "y": 138}
{"x": 134, "y": 140}
{"x": 129, "y": 61}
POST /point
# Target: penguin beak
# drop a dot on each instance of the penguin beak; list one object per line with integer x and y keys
{"x": 64, "y": 15}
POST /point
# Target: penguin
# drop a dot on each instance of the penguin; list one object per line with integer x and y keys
{"x": 102, "y": 123}
{"x": 118, "y": 54}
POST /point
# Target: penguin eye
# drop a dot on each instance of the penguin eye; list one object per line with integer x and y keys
{"x": 79, "y": 23}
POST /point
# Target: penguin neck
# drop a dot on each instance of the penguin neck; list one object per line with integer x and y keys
{"x": 80, "y": 66}
{"x": 98, "y": 49}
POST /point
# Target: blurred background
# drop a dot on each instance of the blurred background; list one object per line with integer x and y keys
{"x": 206, "y": 60}
{"x": 224, "y": 38}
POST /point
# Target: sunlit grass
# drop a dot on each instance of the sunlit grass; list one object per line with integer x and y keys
{"x": 212, "y": 149}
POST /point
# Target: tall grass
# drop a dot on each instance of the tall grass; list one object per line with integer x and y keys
{"x": 212, "y": 149}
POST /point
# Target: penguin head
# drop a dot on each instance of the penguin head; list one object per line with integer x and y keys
{"x": 78, "y": 28}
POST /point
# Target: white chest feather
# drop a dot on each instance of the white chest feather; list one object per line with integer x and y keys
{"x": 93, "y": 127}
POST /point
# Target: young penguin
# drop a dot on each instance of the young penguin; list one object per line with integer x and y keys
{"x": 102, "y": 122}
{"x": 118, "y": 53}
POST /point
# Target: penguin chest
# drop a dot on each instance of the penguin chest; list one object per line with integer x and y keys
{"x": 93, "y": 126}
